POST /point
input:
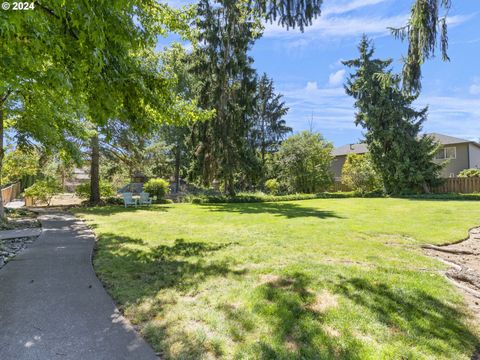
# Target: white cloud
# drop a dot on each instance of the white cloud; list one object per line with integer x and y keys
{"x": 329, "y": 108}
{"x": 336, "y": 78}
{"x": 343, "y": 7}
{"x": 334, "y": 24}
{"x": 341, "y": 26}
{"x": 453, "y": 115}
{"x": 311, "y": 86}
{"x": 332, "y": 111}
{"x": 474, "y": 89}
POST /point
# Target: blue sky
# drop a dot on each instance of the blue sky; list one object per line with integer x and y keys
{"x": 307, "y": 70}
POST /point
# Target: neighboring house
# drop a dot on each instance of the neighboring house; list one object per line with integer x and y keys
{"x": 460, "y": 154}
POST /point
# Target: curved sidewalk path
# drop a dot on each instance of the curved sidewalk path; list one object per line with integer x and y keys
{"x": 52, "y": 306}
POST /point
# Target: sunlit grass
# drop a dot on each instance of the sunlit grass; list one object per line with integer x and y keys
{"x": 314, "y": 279}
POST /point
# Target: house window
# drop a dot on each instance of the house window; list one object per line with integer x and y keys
{"x": 446, "y": 153}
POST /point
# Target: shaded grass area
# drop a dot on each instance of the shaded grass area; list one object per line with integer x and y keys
{"x": 316, "y": 279}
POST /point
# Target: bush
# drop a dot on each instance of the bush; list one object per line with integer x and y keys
{"x": 443, "y": 196}
{"x": 359, "y": 174}
{"x": 258, "y": 197}
{"x": 157, "y": 187}
{"x": 272, "y": 186}
{"x": 43, "y": 190}
{"x": 469, "y": 173}
{"x": 106, "y": 190}
{"x": 113, "y": 201}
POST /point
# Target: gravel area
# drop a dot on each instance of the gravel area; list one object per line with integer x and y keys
{"x": 9, "y": 248}
{"x": 464, "y": 260}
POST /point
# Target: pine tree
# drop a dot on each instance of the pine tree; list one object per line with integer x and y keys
{"x": 403, "y": 158}
{"x": 269, "y": 127}
{"x": 267, "y": 130}
{"x": 228, "y": 85}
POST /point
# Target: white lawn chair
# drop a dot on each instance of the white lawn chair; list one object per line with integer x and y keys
{"x": 145, "y": 199}
{"x": 128, "y": 199}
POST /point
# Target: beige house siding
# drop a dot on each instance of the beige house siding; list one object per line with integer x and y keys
{"x": 466, "y": 155}
{"x": 454, "y": 166}
{"x": 474, "y": 156}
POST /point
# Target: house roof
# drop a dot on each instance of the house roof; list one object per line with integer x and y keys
{"x": 362, "y": 147}
{"x": 448, "y": 140}
{"x": 350, "y": 149}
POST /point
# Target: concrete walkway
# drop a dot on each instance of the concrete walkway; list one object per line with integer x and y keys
{"x": 52, "y": 306}
{"x": 18, "y": 233}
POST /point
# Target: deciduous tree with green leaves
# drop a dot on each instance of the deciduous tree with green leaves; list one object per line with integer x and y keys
{"x": 359, "y": 174}
{"x": 76, "y": 62}
{"x": 304, "y": 160}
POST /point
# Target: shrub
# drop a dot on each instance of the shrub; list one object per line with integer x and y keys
{"x": 106, "y": 190}
{"x": 43, "y": 190}
{"x": 157, "y": 187}
{"x": 469, "y": 173}
{"x": 258, "y": 197}
{"x": 359, "y": 174}
{"x": 113, "y": 201}
{"x": 272, "y": 186}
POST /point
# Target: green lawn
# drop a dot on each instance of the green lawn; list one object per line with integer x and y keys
{"x": 314, "y": 279}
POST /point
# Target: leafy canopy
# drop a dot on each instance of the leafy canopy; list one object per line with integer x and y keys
{"x": 304, "y": 161}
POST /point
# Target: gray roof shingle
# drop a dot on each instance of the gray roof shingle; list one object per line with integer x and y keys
{"x": 350, "y": 149}
{"x": 362, "y": 147}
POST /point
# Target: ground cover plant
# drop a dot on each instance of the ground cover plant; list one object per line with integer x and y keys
{"x": 312, "y": 279}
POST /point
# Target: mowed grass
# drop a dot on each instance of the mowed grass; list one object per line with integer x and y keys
{"x": 314, "y": 279}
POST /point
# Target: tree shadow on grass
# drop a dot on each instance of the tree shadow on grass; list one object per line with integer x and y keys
{"x": 135, "y": 274}
{"x": 416, "y": 315}
{"x": 299, "y": 331}
{"x": 140, "y": 272}
{"x": 288, "y": 210}
{"x": 117, "y": 209}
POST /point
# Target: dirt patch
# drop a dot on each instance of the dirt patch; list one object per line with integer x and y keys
{"x": 291, "y": 344}
{"x": 464, "y": 260}
{"x": 323, "y": 302}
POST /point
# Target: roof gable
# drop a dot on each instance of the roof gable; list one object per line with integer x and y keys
{"x": 447, "y": 140}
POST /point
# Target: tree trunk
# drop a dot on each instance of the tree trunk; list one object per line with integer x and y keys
{"x": 229, "y": 185}
{"x": 2, "y": 154}
{"x": 177, "y": 167}
{"x": 95, "y": 171}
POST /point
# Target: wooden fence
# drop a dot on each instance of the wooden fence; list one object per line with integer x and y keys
{"x": 449, "y": 185}
{"x": 9, "y": 193}
{"x": 459, "y": 185}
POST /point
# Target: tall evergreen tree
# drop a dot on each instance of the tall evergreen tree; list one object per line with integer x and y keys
{"x": 402, "y": 157}
{"x": 228, "y": 86}
{"x": 269, "y": 127}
